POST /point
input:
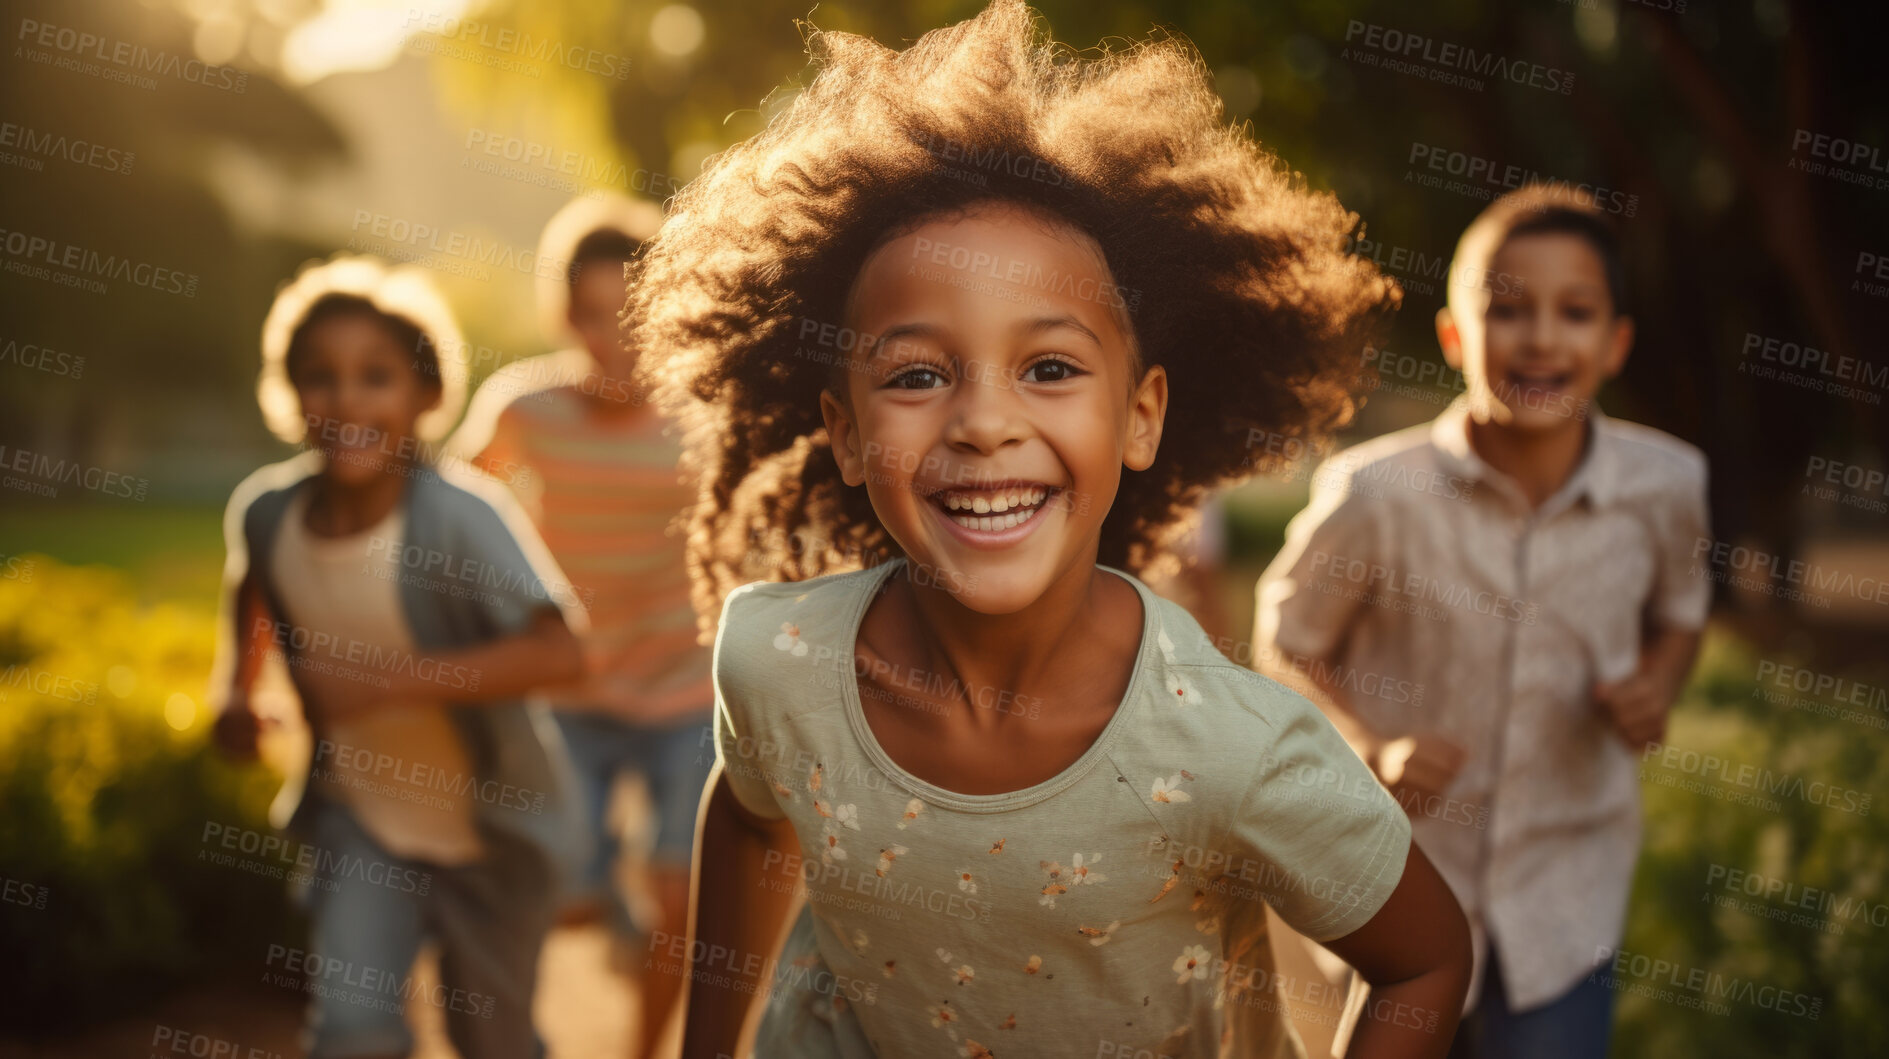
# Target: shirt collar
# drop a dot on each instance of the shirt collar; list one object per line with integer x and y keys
{"x": 1597, "y": 476}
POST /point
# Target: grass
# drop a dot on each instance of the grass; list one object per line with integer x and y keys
{"x": 171, "y": 553}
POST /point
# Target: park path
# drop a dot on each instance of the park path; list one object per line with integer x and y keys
{"x": 584, "y": 1009}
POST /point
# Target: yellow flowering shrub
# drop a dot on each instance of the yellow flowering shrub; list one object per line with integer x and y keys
{"x": 107, "y": 781}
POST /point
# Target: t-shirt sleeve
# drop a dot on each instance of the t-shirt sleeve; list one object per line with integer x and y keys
{"x": 1682, "y": 599}
{"x": 1329, "y": 841}
{"x": 742, "y": 755}
{"x": 515, "y": 573}
{"x": 1305, "y": 607}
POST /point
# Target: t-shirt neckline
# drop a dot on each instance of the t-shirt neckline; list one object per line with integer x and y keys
{"x": 389, "y": 528}
{"x": 1007, "y": 800}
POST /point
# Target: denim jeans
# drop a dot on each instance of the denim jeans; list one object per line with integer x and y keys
{"x": 675, "y": 761}
{"x": 369, "y": 913}
{"x": 1574, "y": 1025}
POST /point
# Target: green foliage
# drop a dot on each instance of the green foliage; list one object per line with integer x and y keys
{"x": 1694, "y": 841}
{"x": 108, "y": 782}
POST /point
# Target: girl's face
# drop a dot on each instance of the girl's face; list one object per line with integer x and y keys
{"x": 1544, "y": 345}
{"x": 596, "y": 298}
{"x": 361, "y": 395}
{"x": 990, "y": 403}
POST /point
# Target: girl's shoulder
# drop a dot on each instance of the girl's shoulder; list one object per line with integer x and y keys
{"x": 1203, "y": 690}
{"x": 1181, "y": 643}
{"x": 259, "y": 501}
{"x": 460, "y": 509}
{"x": 800, "y": 615}
{"x": 459, "y": 486}
{"x": 765, "y": 624}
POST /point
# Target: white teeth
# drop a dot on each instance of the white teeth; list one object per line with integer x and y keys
{"x": 992, "y": 514}
{"x": 995, "y": 523}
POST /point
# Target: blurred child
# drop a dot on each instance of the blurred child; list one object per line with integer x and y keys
{"x": 589, "y": 458}
{"x": 982, "y": 316}
{"x": 1200, "y": 567}
{"x": 1498, "y": 607}
{"x": 414, "y": 607}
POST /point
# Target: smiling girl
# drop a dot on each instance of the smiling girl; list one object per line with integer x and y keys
{"x": 414, "y": 608}
{"x": 975, "y": 326}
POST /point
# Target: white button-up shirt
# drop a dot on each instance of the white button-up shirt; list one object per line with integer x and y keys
{"x": 1422, "y": 585}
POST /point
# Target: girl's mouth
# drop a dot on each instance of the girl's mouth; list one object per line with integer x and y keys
{"x": 995, "y": 515}
{"x": 1553, "y": 381}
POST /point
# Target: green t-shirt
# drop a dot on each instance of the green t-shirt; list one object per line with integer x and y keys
{"x": 1112, "y": 910}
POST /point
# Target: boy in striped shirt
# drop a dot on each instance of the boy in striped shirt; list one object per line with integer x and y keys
{"x": 592, "y": 465}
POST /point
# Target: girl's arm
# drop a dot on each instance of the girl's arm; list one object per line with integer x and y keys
{"x": 245, "y": 627}
{"x": 545, "y": 654}
{"x": 1415, "y": 954}
{"x": 736, "y": 915}
{"x": 238, "y": 728}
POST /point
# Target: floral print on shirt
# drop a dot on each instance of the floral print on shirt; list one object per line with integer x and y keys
{"x": 1105, "y": 893}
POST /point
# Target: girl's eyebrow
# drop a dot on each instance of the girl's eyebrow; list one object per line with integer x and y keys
{"x": 925, "y": 330}
{"x": 1047, "y": 323}
{"x": 920, "y": 330}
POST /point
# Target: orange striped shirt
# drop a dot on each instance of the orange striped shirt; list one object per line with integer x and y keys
{"x": 604, "y": 490}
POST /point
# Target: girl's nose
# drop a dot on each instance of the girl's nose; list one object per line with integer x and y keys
{"x": 985, "y": 412}
{"x": 1541, "y": 330}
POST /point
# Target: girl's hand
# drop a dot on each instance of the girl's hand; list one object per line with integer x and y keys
{"x": 238, "y": 729}
{"x": 1422, "y": 765}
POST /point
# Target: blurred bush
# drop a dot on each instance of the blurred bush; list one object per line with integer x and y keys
{"x": 107, "y": 782}
{"x": 1837, "y": 860}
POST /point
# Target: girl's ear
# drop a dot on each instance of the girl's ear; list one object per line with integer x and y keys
{"x": 1450, "y": 338}
{"x": 1619, "y": 344}
{"x": 1147, "y": 411}
{"x": 843, "y": 435}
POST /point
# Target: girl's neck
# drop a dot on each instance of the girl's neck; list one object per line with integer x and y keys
{"x": 1539, "y": 462}
{"x": 342, "y": 509}
{"x": 617, "y": 413}
{"x": 1028, "y": 652}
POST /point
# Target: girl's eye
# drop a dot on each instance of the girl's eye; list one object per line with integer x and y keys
{"x": 1579, "y": 313}
{"x": 378, "y": 376}
{"x": 1503, "y": 310}
{"x": 1051, "y": 370}
{"x": 916, "y": 378}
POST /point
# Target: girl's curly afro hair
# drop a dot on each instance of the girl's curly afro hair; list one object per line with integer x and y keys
{"x": 1237, "y": 277}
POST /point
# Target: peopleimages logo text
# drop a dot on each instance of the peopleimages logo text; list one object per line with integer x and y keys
{"x": 1416, "y": 47}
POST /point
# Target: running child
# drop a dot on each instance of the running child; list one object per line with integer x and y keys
{"x": 590, "y": 460}
{"x": 970, "y": 329}
{"x": 414, "y": 607}
{"x": 1499, "y": 607}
